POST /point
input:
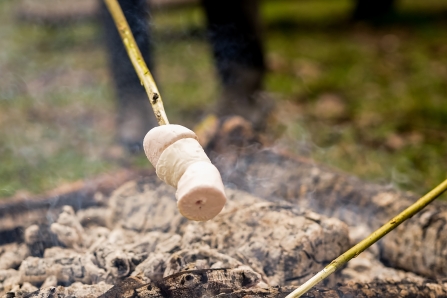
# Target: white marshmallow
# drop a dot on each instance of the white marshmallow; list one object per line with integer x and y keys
{"x": 161, "y": 137}
{"x": 175, "y": 159}
{"x": 180, "y": 161}
{"x": 200, "y": 193}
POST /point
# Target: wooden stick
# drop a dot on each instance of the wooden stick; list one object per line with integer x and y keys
{"x": 137, "y": 61}
{"x": 370, "y": 240}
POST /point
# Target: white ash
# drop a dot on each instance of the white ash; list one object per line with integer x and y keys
{"x": 13, "y": 255}
{"x": 50, "y": 281}
{"x": 366, "y": 265}
{"x": 8, "y": 279}
{"x": 38, "y": 238}
{"x": 145, "y": 236}
{"x": 67, "y": 265}
{"x": 31, "y": 234}
{"x": 93, "y": 216}
{"x": 76, "y": 289}
{"x": 68, "y": 229}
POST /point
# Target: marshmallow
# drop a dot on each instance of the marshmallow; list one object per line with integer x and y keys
{"x": 177, "y": 157}
{"x": 180, "y": 161}
{"x": 161, "y": 137}
{"x": 200, "y": 192}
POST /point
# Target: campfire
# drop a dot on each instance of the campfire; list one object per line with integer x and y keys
{"x": 285, "y": 220}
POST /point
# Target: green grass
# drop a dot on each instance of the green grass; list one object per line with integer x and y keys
{"x": 387, "y": 85}
{"x": 388, "y": 80}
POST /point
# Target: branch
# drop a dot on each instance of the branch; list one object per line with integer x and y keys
{"x": 137, "y": 61}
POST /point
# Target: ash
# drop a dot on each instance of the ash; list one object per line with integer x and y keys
{"x": 138, "y": 245}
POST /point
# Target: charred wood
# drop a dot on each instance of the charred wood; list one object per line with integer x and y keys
{"x": 417, "y": 245}
{"x": 16, "y": 214}
{"x": 249, "y": 230}
{"x": 255, "y": 248}
{"x": 222, "y": 283}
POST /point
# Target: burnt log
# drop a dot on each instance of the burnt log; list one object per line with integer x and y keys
{"x": 259, "y": 246}
{"x": 418, "y": 245}
{"x": 249, "y": 230}
{"x": 404, "y": 289}
{"x": 16, "y": 214}
{"x": 370, "y": 290}
{"x": 258, "y": 242}
{"x": 222, "y": 283}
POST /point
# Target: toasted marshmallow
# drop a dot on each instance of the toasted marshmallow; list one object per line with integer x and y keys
{"x": 180, "y": 161}
{"x": 161, "y": 137}
{"x": 200, "y": 192}
{"x": 177, "y": 157}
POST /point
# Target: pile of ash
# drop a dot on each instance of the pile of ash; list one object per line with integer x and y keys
{"x": 138, "y": 245}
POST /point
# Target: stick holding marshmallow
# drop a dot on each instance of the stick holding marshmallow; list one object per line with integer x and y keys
{"x": 180, "y": 161}
{"x": 173, "y": 150}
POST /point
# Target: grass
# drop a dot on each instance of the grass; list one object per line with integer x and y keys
{"x": 367, "y": 100}
{"x": 388, "y": 84}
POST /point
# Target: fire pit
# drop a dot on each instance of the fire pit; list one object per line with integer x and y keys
{"x": 285, "y": 220}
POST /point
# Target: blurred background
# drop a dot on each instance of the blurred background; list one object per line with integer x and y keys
{"x": 363, "y": 94}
